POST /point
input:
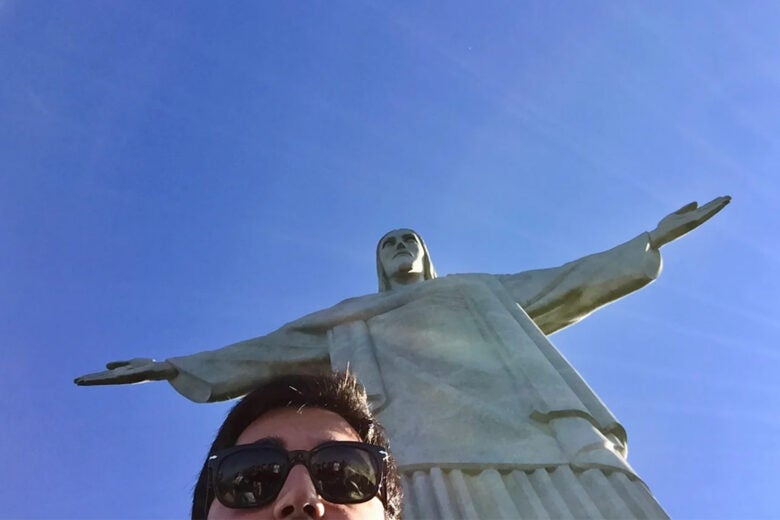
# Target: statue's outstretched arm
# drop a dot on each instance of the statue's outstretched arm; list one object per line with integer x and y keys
{"x": 137, "y": 370}
{"x": 689, "y": 217}
{"x": 555, "y": 298}
{"x": 224, "y": 373}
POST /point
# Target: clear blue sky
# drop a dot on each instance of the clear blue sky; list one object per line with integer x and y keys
{"x": 177, "y": 176}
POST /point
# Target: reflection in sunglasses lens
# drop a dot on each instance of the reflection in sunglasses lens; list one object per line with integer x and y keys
{"x": 250, "y": 478}
{"x": 344, "y": 474}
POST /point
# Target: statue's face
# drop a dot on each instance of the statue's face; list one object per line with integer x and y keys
{"x": 401, "y": 252}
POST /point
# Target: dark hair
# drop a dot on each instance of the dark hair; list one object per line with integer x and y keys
{"x": 337, "y": 392}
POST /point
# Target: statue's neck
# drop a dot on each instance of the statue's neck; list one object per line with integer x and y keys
{"x": 400, "y": 280}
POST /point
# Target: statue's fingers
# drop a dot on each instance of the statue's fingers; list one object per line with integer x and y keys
{"x": 112, "y": 377}
{"x": 688, "y": 207}
{"x": 715, "y": 205}
{"x": 111, "y": 365}
{"x": 98, "y": 378}
{"x": 720, "y": 202}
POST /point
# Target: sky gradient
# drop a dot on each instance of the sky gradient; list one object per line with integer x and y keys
{"x": 179, "y": 176}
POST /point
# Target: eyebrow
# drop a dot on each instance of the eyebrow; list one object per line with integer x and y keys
{"x": 276, "y": 442}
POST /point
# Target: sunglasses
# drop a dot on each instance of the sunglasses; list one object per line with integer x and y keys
{"x": 252, "y": 475}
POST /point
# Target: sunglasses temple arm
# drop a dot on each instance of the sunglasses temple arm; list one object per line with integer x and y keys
{"x": 209, "y": 493}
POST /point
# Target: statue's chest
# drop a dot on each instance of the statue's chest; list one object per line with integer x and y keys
{"x": 448, "y": 323}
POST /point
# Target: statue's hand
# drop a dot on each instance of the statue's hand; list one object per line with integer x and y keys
{"x": 136, "y": 370}
{"x": 689, "y": 217}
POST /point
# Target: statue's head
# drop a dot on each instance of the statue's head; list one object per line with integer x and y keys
{"x": 402, "y": 251}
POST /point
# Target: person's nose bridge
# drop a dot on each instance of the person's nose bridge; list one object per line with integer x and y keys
{"x": 298, "y": 497}
{"x": 299, "y": 476}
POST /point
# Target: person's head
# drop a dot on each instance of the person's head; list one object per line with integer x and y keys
{"x": 402, "y": 256}
{"x": 341, "y": 467}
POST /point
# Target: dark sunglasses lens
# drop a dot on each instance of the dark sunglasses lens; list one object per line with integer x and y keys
{"x": 251, "y": 477}
{"x": 345, "y": 474}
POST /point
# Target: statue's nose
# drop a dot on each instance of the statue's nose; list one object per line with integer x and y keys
{"x": 400, "y": 245}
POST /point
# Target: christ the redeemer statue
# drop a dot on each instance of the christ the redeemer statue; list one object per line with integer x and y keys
{"x": 486, "y": 418}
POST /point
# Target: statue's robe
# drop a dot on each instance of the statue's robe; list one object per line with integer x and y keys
{"x": 485, "y": 417}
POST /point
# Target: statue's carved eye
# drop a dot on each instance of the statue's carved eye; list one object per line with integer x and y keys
{"x": 388, "y": 242}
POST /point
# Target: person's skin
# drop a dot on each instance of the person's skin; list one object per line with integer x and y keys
{"x": 302, "y": 429}
{"x": 401, "y": 255}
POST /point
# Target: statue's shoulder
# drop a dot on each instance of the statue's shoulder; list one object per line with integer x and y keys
{"x": 466, "y": 276}
{"x": 460, "y": 278}
{"x": 358, "y": 300}
{"x": 346, "y": 310}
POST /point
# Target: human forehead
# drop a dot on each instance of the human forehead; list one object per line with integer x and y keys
{"x": 399, "y": 234}
{"x": 299, "y": 429}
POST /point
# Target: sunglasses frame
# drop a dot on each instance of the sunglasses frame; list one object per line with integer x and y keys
{"x": 377, "y": 454}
